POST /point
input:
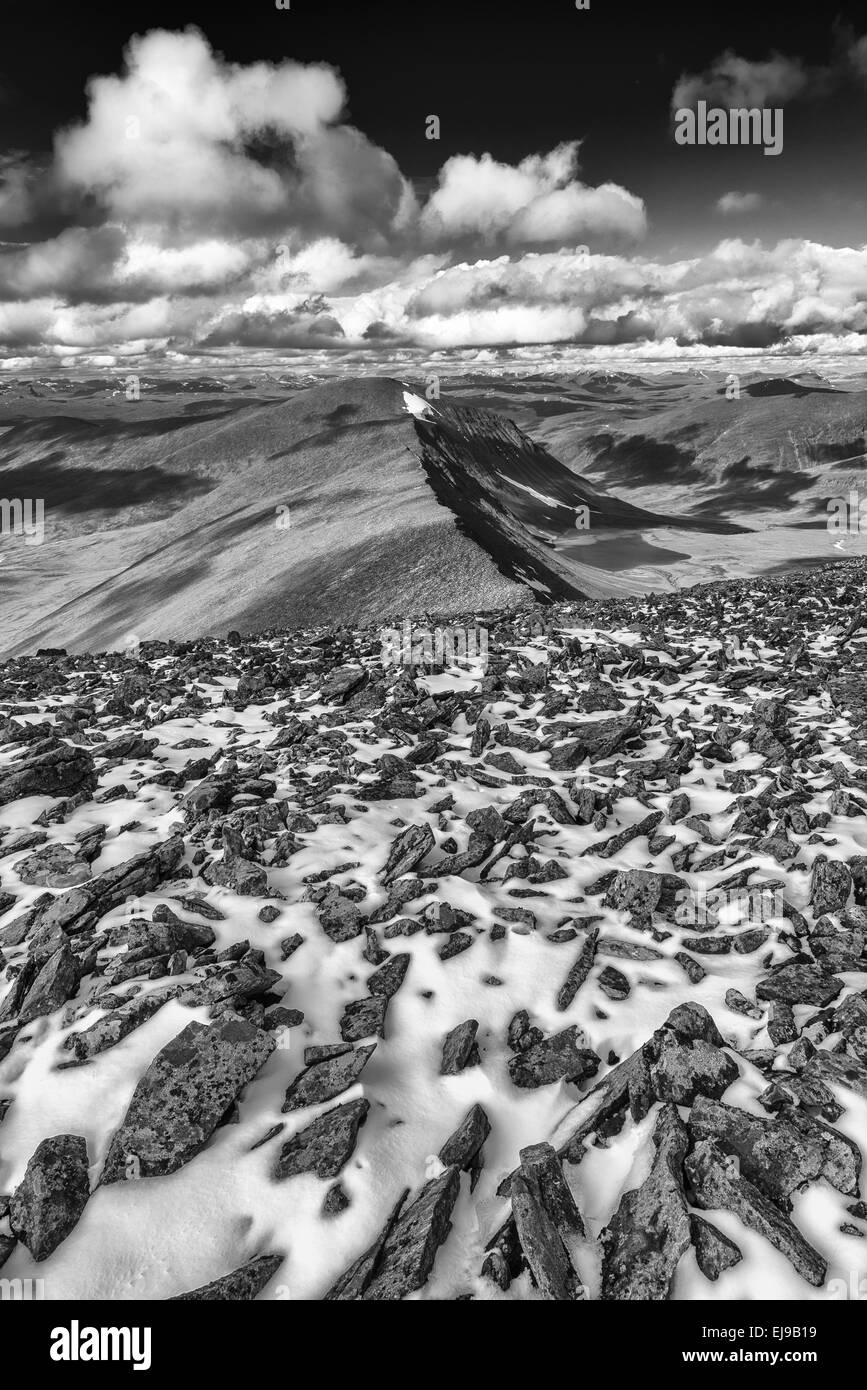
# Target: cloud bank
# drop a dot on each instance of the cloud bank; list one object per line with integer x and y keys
{"x": 205, "y": 206}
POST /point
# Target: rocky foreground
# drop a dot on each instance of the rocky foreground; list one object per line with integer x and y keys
{"x": 330, "y": 979}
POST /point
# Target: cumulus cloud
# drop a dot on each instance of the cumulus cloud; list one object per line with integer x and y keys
{"x": 740, "y": 294}
{"x": 734, "y": 81}
{"x": 540, "y": 201}
{"x": 731, "y": 80}
{"x": 185, "y": 139}
{"x": 309, "y": 326}
{"x": 733, "y": 203}
{"x": 206, "y": 207}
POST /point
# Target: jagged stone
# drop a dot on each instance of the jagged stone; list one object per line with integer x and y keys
{"x": 780, "y": 1156}
{"x": 48, "y": 768}
{"x": 560, "y": 1057}
{"x": 328, "y": 1078}
{"x": 714, "y": 1252}
{"x": 800, "y": 984}
{"x": 184, "y": 1094}
{"x": 644, "y": 1242}
{"x": 407, "y": 851}
{"x": 390, "y": 976}
{"x": 52, "y": 1195}
{"x": 460, "y": 1049}
{"x": 241, "y": 1286}
{"x": 114, "y": 1027}
{"x": 339, "y": 917}
{"x": 614, "y": 983}
{"x": 364, "y": 1018}
{"x": 549, "y": 1262}
{"x": 462, "y": 1149}
{"x": 830, "y": 885}
{"x": 409, "y": 1250}
{"x": 326, "y": 1145}
{"x": 354, "y": 1281}
{"x": 80, "y": 908}
{"x": 716, "y": 1185}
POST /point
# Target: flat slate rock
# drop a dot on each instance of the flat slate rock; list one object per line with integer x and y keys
{"x": 241, "y": 1286}
{"x": 409, "y": 1250}
{"x": 326, "y": 1144}
{"x": 780, "y": 1155}
{"x": 52, "y": 1195}
{"x": 716, "y": 1184}
{"x": 563, "y": 1057}
{"x": 327, "y": 1078}
{"x": 648, "y": 1234}
{"x": 800, "y": 984}
{"x": 184, "y": 1094}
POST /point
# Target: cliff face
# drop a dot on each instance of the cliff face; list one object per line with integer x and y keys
{"x": 514, "y": 498}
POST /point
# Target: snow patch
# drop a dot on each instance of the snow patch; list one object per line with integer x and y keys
{"x": 416, "y": 406}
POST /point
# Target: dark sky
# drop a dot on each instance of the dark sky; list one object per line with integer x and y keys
{"x": 509, "y": 79}
{"x": 506, "y": 79}
{"x": 298, "y": 229}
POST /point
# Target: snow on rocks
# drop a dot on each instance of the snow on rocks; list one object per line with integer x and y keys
{"x": 563, "y": 952}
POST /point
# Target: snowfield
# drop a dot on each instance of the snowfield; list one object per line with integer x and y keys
{"x": 547, "y": 981}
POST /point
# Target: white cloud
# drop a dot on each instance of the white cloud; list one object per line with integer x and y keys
{"x": 230, "y": 207}
{"x": 735, "y": 203}
{"x": 184, "y": 138}
{"x": 732, "y": 81}
{"x": 539, "y": 201}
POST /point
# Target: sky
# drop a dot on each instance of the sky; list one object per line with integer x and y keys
{"x": 185, "y": 184}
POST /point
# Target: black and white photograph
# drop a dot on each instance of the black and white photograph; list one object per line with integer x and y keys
{"x": 433, "y": 665}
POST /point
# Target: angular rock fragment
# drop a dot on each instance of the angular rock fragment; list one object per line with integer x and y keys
{"x": 184, "y": 1094}
{"x": 830, "y": 885}
{"x": 114, "y": 1027}
{"x": 460, "y": 1049}
{"x": 355, "y": 1280}
{"x": 553, "y": 1273}
{"x": 800, "y": 984}
{"x": 52, "y": 1195}
{"x": 80, "y": 908}
{"x": 390, "y": 976}
{"x": 339, "y": 917}
{"x": 326, "y": 1079}
{"x": 48, "y": 768}
{"x": 364, "y": 1018}
{"x": 463, "y": 1148}
{"x": 781, "y": 1156}
{"x": 716, "y": 1184}
{"x": 562, "y": 1057}
{"x": 649, "y": 1232}
{"x": 407, "y": 851}
{"x": 409, "y": 1250}
{"x": 714, "y": 1252}
{"x": 326, "y": 1145}
{"x": 241, "y": 1286}
{"x": 614, "y": 983}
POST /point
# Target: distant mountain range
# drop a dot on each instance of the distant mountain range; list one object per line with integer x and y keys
{"x": 203, "y": 506}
